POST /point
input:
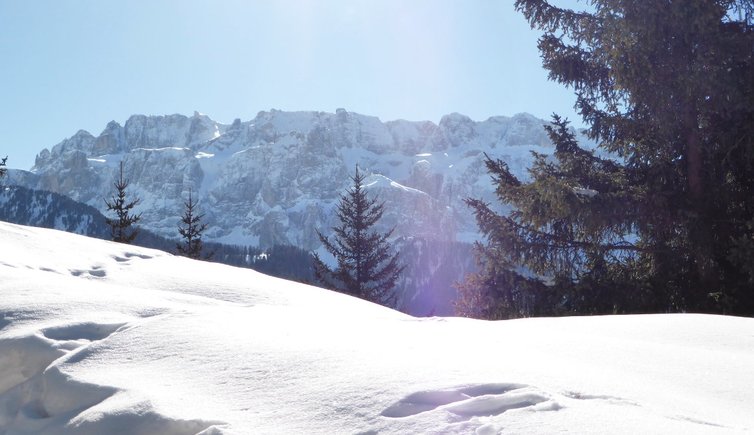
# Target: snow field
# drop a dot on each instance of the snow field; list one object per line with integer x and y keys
{"x": 97, "y": 337}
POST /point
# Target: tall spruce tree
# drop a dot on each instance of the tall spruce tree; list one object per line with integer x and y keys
{"x": 666, "y": 223}
{"x": 3, "y": 169}
{"x": 191, "y": 229}
{"x": 365, "y": 266}
{"x": 121, "y": 227}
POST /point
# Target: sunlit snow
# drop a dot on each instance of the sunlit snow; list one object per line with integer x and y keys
{"x": 105, "y": 338}
{"x": 161, "y": 149}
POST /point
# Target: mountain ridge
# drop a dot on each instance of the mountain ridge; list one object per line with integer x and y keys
{"x": 276, "y": 178}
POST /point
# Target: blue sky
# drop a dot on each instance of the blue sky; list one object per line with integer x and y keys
{"x": 78, "y": 64}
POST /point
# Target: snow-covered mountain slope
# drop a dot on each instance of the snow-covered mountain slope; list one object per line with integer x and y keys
{"x": 275, "y": 179}
{"x": 98, "y": 337}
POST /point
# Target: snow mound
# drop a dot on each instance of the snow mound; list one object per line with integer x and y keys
{"x": 98, "y": 337}
{"x": 39, "y": 396}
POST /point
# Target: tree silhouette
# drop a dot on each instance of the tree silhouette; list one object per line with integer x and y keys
{"x": 191, "y": 230}
{"x": 3, "y": 170}
{"x": 365, "y": 266}
{"x": 124, "y": 218}
{"x": 662, "y": 218}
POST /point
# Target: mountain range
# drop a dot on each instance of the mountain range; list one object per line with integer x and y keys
{"x": 275, "y": 180}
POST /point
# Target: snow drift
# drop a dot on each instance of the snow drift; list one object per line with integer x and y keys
{"x": 97, "y": 337}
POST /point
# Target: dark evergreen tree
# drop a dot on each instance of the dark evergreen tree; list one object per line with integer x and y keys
{"x": 3, "y": 170}
{"x": 666, "y": 223}
{"x": 121, "y": 227}
{"x": 191, "y": 229}
{"x": 365, "y": 266}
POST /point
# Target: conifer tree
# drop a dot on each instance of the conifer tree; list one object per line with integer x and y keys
{"x": 667, "y": 222}
{"x": 120, "y": 227}
{"x": 3, "y": 169}
{"x": 191, "y": 230}
{"x": 365, "y": 266}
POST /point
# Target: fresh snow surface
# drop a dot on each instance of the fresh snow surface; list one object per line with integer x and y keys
{"x": 104, "y": 338}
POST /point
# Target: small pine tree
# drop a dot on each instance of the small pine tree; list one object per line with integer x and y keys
{"x": 3, "y": 170}
{"x": 191, "y": 230}
{"x": 119, "y": 227}
{"x": 365, "y": 267}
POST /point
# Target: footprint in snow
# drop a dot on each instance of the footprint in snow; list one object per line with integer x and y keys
{"x": 468, "y": 401}
{"x": 95, "y": 271}
{"x": 130, "y": 255}
{"x": 81, "y": 331}
{"x": 607, "y": 398}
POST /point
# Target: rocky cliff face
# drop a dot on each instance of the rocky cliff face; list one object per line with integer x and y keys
{"x": 275, "y": 179}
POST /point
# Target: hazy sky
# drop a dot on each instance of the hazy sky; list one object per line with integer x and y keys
{"x": 78, "y": 64}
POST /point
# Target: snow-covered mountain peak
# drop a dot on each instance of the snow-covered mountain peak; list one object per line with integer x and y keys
{"x": 276, "y": 178}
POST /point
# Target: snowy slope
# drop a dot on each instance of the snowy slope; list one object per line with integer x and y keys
{"x": 97, "y": 337}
